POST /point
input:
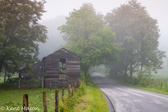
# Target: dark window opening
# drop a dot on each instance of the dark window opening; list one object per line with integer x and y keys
{"x": 62, "y": 64}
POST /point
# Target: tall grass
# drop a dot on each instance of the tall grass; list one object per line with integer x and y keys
{"x": 93, "y": 100}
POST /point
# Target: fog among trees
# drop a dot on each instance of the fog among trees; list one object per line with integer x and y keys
{"x": 54, "y": 40}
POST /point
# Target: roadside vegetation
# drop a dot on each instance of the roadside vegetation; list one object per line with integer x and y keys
{"x": 93, "y": 100}
{"x": 152, "y": 83}
{"x": 142, "y": 80}
{"x": 159, "y": 85}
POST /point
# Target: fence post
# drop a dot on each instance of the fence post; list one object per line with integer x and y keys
{"x": 75, "y": 87}
{"x": 44, "y": 102}
{"x": 78, "y": 84}
{"x": 19, "y": 83}
{"x": 25, "y": 103}
{"x": 69, "y": 88}
{"x": 72, "y": 91}
{"x": 56, "y": 100}
{"x": 50, "y": 86}
{"x": 62, "y": 94}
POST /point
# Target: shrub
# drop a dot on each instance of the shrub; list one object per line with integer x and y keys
{"x": 144, "y": 77}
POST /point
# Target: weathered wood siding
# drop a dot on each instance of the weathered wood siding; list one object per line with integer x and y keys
{"x": 53, "y": 74}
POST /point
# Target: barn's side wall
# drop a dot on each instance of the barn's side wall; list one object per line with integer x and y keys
{"x": 53, "y": 73}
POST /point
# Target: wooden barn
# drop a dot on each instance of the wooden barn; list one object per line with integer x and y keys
{"x": 56, "y": 70}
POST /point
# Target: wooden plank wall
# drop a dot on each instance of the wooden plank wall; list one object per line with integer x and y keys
{"x": 52, "y": 72}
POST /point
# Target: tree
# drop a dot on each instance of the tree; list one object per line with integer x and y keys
{"x": 19, "y": 33}
{"x": 138, "y": 35}
{"x": 88, "y": 37}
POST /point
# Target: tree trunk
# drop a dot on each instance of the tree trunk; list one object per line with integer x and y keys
{"x": 1, "y": 65}
{"x": 131, "y": 71}
{"x": 125, "y": 74}
{"x": 141, "y": 67}
{"x": 85, "y": 73}
{"x": 116, "y": 72}
{"x": 5, "y": 76}
{"x": 85, "y": 70}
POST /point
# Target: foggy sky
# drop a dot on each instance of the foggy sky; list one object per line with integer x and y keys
{"x": 156, "y": 8}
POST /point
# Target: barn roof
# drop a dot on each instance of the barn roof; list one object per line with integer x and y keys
{"x": 22, "y": 69}
{"x": 65, "y": 50}
{"x": 69, "y": 52}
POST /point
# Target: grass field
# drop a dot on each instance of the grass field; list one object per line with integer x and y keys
{"x": 14, "y": 98}
{"x": 92, "y": 101}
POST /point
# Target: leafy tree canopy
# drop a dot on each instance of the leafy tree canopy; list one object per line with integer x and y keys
{"x": 138, "y": 35}
{"x": 19, "y": 33}
{"x": 88, "y": 37}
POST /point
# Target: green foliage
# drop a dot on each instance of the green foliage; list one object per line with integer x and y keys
{"x": 31, "y": 83}
{"x": 93, "y": 100}
{"x": 19, "y": 33}
{"x": 138, "y": 35}
{"x": 144, "y": 76}
{"x": 1, "y": 80}
{"x": 89, "y": 38}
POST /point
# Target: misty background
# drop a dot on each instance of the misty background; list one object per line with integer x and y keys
{"x": 57, "y": 11}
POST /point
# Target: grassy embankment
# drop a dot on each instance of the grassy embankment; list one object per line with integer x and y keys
{"x": 92, "y": 100}
{"x": 156, "y": 83}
